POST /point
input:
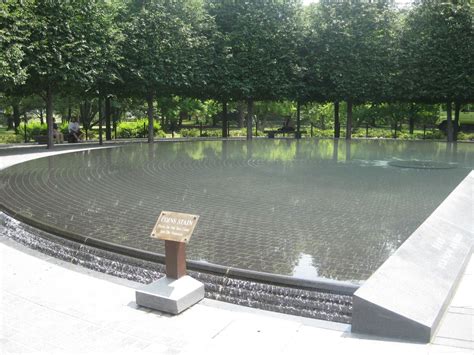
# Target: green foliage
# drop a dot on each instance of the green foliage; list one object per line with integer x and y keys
{"x": 255, "y": 48}
{"x": 13, "y": 39}
{"x": 164, "y": 46}
{"x": 464, "y": 136}
{"x": 137, "y": 129}
{"x": 211, "y": 133}
{"x": 322, "y": 133}
{"x": 33, "y": 129}
{"x": 9, "y": 137}
{"x": 189, "y": 132}
{"x": 321, "y": 115}
{"x": 350, "y": 50}
{"x": 64, "y": 128}
{"x": 194, "y": 132}
{"x": 384, "y": 60}
{"x": 67, "y": 43}
{"x": 436, "y": 56}
{"x": 238, "y": 132}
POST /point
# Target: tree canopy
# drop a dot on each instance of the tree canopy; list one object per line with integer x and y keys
{"x": 333, "y": 51}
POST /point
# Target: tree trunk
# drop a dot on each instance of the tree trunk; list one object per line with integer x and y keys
{"x": 115, "y": 118}
{"x": 108, "y": 112}
{"x": 411, "y": 118}
{"x": 16, "y": 116}
{"x": 69, "y": 112}
{"x": 163, "y": 118}
{"x": 337, "y": 122}
{"x": 149, "y": 101}
{"x": 49, "y": 116}
{"x": 224, "y": 119}
{"x": 101, "y": 117}
{"x": 240, "y": 108}
{"x": 82, "y": 110}
{"x": 249, "y": 118}
{"x": 41, "y": 116}
{"x": 349, "y": 120}
{"x": 10, "y": 124}
{"x": 449, "y": 117}
{"x": 25, "y": 135}
{"x": 298, "y": 120}
{"x": 457, "y": 108}
{"x": 182, "y": 116}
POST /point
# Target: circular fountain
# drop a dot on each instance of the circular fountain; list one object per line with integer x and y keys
{"x": 299, "y": 216}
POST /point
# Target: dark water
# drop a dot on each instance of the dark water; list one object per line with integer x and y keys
{"x": 302, "y": 208}
{"x": 295, "y": 301}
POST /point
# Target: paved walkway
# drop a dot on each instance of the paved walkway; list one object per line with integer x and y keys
{"x": 49, "y": 306}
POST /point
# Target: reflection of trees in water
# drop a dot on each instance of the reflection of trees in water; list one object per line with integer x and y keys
{"x": 287, "y": 150}
{"x": 291, "y": 198}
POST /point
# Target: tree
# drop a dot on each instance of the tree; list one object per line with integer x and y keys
{"x": 350, "y": 52}
{"x": 108, "y": 72}
{"x": 14, "y": 35}
{"x": 258, "y": 43}
{"x": 436, "y": 61}
{"x": 64, "y": 48}
{"x": 162, "y": 49}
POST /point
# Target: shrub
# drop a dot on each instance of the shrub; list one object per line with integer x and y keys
{"x": 211, "y": 133}
{"x": 11, "y": 138}
{"x": 238, "y": 132}
{"x": 33, "y": 129}
{"x": 192, "y": 132}
{"x": 323, "y": 133}
{"x": 138, "y": 129}
{"x": 64, "y": 128}
{"x": 464, "y": 136}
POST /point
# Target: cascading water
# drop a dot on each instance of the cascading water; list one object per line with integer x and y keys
{"x": 307, "y": 303}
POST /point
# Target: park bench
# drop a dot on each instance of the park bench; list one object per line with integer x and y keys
{"x": 272, "y": 133}
{"x": 43, "y": 139}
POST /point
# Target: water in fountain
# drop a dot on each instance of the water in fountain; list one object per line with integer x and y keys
{"x": 307, "y": 303}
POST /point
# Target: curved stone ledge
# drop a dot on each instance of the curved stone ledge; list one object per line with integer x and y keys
{"x": 317, "y": 284}
{"x": 290, "y": 300}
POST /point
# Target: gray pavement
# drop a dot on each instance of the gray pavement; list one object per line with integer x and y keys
{"x": 50, "y": 306}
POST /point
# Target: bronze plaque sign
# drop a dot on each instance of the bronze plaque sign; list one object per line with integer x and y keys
{"x": 174, "y": 226}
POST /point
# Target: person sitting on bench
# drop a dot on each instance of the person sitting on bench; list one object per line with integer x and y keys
{"x": 75, "y": 131}
{"x": 287, "y": 125}
{"x": 57, "y": 134}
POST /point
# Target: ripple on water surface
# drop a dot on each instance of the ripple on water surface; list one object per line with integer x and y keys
{"x": 302, "y": 208}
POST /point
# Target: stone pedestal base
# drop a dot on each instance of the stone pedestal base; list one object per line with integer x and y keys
{"x": 170, "y": 295}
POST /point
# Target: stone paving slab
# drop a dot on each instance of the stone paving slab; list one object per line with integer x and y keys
{"x": 457, "y": 326}
{"x": 56, "y": 307}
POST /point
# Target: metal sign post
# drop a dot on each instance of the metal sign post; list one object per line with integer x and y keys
{"x": 177, "y": 291}
{"x": 175, "y": 259}
{"x": 176, "y": 230}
